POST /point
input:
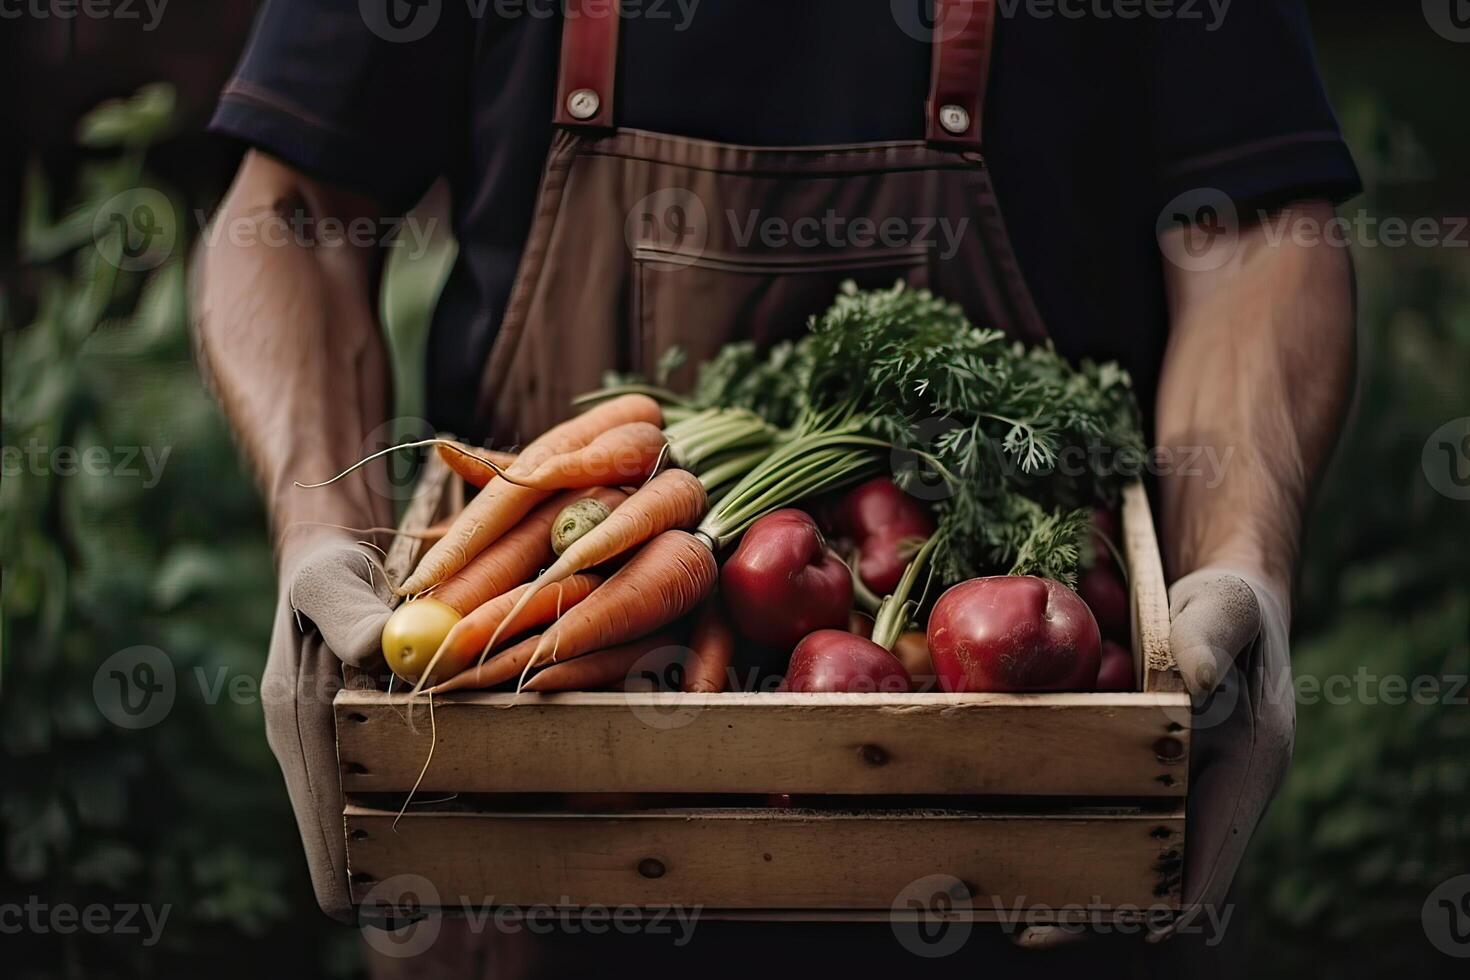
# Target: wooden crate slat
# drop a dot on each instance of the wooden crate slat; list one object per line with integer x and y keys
{"x": 1150, "y": 595}
{"x": 767, "y": 859}
{"x": 984, "y": 744}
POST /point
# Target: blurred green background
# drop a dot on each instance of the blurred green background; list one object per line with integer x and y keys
{"x": 192, "y": 812}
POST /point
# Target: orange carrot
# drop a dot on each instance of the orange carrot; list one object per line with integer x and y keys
{"x": 673, "y": 499}
{"x": 712, "y": 650}
{"x": 469, "y": 639}
{"x": 516, "y": 557}
{"x": 504, "y": 666}
{"x": 621, "y": 456}
{"x": 602, "y": 668}
{"x": 468, "y": 462}
{"x": 666, "y": 579}
{"x": 497, "y": 507}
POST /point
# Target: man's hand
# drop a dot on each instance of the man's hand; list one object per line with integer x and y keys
{"x": 339, "y": 586}
{"x": 1258, "y": 369}
{"x": 1256, "y": 379}
{"x": 287, "y": 334}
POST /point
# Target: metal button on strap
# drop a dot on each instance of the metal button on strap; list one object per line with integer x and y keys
{"x": 583, "y": 103}
{"x": 954, "y": 119}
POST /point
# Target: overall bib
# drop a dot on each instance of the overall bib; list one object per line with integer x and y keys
{"x": 642, "y": 241}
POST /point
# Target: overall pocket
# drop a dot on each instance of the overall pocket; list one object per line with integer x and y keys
{"x": 700, "y": 303}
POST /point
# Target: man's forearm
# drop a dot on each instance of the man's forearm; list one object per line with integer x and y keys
{"x": 1258, "y": 369}
{"x": 287, "y": 332}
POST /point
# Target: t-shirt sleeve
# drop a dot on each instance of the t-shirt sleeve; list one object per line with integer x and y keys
{"x": 368, "y": 102}
{"x": 1238, "y": 106}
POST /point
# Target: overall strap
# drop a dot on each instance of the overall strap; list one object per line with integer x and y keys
{"x": 960, "y": 67}
{"x": 589, "y": 64}
{"x": 963, "y": 32}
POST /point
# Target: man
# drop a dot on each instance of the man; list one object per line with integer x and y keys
{"x": 621, "y": 184}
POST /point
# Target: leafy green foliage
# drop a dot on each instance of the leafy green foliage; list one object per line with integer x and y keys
{"x": 158, "y": 541}
{"x": 1372, "y": 816}
{"x": 1026, "y": 442}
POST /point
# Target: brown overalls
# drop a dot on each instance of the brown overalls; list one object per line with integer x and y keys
{"x": 642, "y": 241}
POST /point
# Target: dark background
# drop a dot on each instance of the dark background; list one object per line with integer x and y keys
{"x": 191, "y": 813}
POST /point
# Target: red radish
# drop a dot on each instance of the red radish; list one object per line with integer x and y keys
{"x": 882, "y": 557}
{"x": 1116, "y": 672}
{"x": 783, "y": 582}
{"x": 1014, "y": 633}
{"x": 837, "y": 661}
{"x": 1107, "y": 534}
{"x": 1102, "y": 588}
{"x": 879, "y": 505}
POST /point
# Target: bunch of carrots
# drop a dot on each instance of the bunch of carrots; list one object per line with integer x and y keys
{"x": 527, "y": 555}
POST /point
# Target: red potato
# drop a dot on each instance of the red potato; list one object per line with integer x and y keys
{"x": 1102, "y": 588}
{"x": 1116, "y": 670}
{"x": 835, "y": 661}
{"x": 783, "y": 582}
{"x": 1014, "y": 633}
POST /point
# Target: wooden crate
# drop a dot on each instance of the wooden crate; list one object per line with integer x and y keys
{"x": 1024, "y": 801}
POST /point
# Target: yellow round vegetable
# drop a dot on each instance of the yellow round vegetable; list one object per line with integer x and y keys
{"x": 413, "y": 633}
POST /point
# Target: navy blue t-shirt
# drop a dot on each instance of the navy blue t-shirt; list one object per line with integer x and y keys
{"x": 1093, "y": 121}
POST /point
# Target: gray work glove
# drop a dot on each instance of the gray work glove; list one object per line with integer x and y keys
{"x": 1230, "y": 637}
{"x": 1228, "y": 634}
{"x": 334, "y": 601}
